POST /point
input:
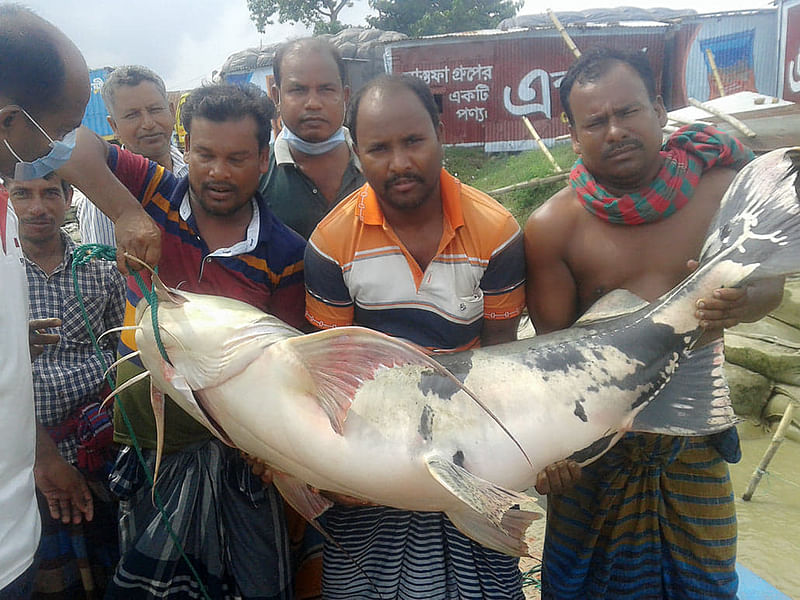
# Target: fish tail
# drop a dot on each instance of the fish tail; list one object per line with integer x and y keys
{"x": 758, "y": 223}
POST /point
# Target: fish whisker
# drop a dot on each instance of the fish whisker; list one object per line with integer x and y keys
{"x": 119, "y": 361}
{"x": 116, "y": 329}
{"x": 129, "y": 383}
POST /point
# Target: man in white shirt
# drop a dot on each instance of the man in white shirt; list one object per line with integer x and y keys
{"x": 44, "y": 88}
{"x": 142, "y": 120}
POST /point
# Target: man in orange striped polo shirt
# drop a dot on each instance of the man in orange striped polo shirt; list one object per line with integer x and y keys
{"x": 416, "y": 254}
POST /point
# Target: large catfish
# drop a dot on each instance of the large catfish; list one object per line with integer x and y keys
{"x": 356, "y": 412}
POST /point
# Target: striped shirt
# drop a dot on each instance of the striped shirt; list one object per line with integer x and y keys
{"x": 358, "y": 271}
{"x": 95, "y": 226}
{"x": 265, "y": 270}
{"x": 69, "y": 374}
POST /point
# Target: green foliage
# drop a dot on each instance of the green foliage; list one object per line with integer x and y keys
{"x": 323, "y": 15}
{"x": 489, "y": 172}
{"x": 429, "y": 17}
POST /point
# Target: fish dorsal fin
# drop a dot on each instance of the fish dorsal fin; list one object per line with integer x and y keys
{"x": 614, "y": 304}
{"x": 340, "y": 360}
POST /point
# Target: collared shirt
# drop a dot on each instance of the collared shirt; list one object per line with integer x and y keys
{"x": 294, "y": 197}
{"x": 358, "y": 271}
{"x": 95, "y": 226}
{"x": 69, "y": 374}
{"x": 265, "y": 270}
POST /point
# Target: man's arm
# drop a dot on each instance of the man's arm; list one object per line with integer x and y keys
{"x": 136, "y": 232}
{"x": 551, "y": 290}
{"x": 552, "y": 299}
{"x": 499, "y": 331}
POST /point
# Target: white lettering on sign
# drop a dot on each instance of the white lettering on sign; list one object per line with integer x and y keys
{"x": 793, "y": 74}
{"x": 475, "y": 113}
{"x": 479, "y": 94}
{"x": 527, "y": 92}
{"x": 437, "y": 76}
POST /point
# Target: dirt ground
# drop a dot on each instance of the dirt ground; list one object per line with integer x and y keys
{"x": 530, "y": 566}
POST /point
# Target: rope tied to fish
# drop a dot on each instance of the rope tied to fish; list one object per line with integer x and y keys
{"x": 83, "y": 255}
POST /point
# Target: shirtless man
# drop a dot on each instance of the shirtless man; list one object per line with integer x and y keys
{"x": 638, "y": 519}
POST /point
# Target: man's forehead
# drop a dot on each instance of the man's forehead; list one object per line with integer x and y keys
{"x": 48, "y": 181}
{"x": 140, "y": 93}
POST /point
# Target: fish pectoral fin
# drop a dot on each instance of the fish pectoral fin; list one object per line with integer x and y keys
{"x": 308, "y": 503}
{"x": 694, "y": 401}
{"x": 490, "y": 513}
{"x": 340, "y": 360}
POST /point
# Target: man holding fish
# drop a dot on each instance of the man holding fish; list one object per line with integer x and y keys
{"x": 218, "y": 238}
{"x": 655, "y": 516}
{"x": 416, "y": 254}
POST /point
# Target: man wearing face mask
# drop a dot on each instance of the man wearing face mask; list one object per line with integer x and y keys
{"x": 44, "y": 88}
{"x": 312, "y": 166}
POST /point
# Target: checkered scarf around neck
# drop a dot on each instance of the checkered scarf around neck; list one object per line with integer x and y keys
{"x": 687, "y": 153}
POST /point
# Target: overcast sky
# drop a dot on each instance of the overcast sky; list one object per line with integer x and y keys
{"x": 185, "y": 40}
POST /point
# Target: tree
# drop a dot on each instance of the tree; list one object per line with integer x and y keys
{"x": 429, "y": 17}
{"x": 323, "y": 15}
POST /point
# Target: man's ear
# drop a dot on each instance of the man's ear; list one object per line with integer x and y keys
{"x": 440, "y": 132}
{"x": 275, "y": 93}
{"x": 576, "y": 144}
{"x": 661, "y": 111}
{"x": 346, "y": 96}
{"x": 263, "y": 159}
{"x": 113, "y": 124}
{"x": 70, "y": 191}
{"x": 186, "y": 143}
{"x": 9, "y": 116}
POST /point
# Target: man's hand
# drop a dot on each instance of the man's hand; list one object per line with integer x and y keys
{"x": 68, "y": 497}
{"x": 136, "y": 234}
{"x": 558, "y": 477}
{"x": 727, "y": 307}
{"x": 259, "y": 467}
{"x": 38, "y": 340}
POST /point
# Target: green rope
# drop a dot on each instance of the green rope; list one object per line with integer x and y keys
{"x": 81, "y": 256}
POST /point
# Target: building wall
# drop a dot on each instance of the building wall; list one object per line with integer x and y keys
{"x": 745, "y": 50}
{"x": 486, "y": 83}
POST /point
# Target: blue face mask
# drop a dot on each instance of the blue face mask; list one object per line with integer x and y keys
{"x": 312, "y": 148}
{"x": 60, "y": 152}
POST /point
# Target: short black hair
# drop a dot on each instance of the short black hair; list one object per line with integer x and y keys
{"x": 308, "y": 44}
{"x": 130, "y": 75}
{"x": 228, "y": 102}
{"x": 414, "y": 84}
{"x": 32, "y": 69}
{"x": 595, "y": 63}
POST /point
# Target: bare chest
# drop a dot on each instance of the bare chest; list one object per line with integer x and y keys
{"x": 647, "y": 260}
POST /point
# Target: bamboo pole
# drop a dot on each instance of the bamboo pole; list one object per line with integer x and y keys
{"x": 529, "y": 184}
{"x": 777, "y": 440}
{"x": 541, "y": 144}
{"x": 731, "y": 120}
{"x": 567, "y": 40}
{"x": 713, "y": 64}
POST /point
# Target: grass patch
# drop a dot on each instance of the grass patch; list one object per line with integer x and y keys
{"x": 489, "y": 172}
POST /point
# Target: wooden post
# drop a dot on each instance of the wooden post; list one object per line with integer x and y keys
{"x": 529, "y": 184}
{"x": 731, "y": 120}
{"x": 777, "y": 439}
{"x": 713, "y": 64}
{"x": 567, "y": 40}
{"x": 541, "y": 144}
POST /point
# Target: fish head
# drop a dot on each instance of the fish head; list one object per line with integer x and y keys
{"x": 206, "y": 339}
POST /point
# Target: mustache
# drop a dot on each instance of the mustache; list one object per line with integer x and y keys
{"x": 218, "y": 187}
{"x": 406, "y": 177}
{"x": 621, "y": 147}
